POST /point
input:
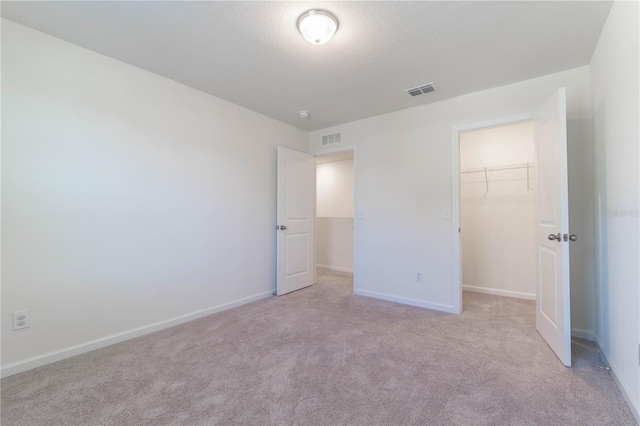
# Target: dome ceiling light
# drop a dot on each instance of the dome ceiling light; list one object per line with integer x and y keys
{"x": 317, "y": 26}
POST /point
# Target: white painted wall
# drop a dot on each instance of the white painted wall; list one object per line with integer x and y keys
{"x": 497, "y": 225}
{"x": 615, "y": 99}
{"x": 128, "y": 199}
{"x": 582, "y": 223}
{"x": 334, "y": 239}
{"x": 334, "y": 223}
{"x": 405, "y": 173}
{"x": 334, "y": 184}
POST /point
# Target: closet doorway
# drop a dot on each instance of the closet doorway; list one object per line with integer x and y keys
{"x": 335, "y": 213}
{"x": 497, "y": 211}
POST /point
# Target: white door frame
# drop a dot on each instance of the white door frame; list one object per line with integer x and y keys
{"x": 336, "y": 150}
{"x": 457, "y": 249}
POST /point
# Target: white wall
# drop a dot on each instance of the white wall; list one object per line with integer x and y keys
{"x": 497, "y": 225}
{"x": 334, "y": 239}
{"x": 334, "y": 185}
{"x": 127, "y": 199}
{"x": 614, "y": 87}
{"x": 334, "y": 223}
{"x": 405, "y": 172}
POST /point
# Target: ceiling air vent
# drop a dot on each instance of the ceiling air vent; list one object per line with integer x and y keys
{"x": 331, "y": 139}
{"x": 425, "y": 88}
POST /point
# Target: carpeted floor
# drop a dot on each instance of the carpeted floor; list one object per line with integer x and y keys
{"x": 323, "y": 356}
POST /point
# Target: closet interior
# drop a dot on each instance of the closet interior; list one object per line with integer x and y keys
{"x": 497, "y": 210}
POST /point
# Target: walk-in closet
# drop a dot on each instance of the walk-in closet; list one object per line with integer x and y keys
{"x": 497, "y": 208}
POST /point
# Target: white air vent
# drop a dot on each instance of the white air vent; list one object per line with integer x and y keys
{"x": 425, "y": 88}
{"x": 331, "y": 139}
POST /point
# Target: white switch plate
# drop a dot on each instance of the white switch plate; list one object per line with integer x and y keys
{"x": 447, "y": 215}
{"x": 360, "y": 214}
{"x": 20, "y": 319}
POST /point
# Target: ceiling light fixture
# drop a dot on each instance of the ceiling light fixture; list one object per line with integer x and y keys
{"x": 317, "y": 26}
{"x": 303, "y": 114}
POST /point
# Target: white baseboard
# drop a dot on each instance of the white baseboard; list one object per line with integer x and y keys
{"x": 48, "y": 358}
{"x": 335, "y": 268}
{"x": 633, "y": 405}
{"x": 406, "y": 301}
{"x": 498, "y": 292}
{"x": 583, "y": 334}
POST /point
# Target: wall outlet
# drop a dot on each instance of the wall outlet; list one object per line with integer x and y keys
{"x": 418, "y": 277}
{"x": 21, "y": 320}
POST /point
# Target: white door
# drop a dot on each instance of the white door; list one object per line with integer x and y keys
{"x": 296, "y": 220}
{"x": 553, "y": 315}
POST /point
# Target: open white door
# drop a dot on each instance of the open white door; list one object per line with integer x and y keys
{"x": 553, "y": 315}
{"x": 296, "y": 220}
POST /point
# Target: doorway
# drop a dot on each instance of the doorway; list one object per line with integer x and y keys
{"x": 335, "y": 216}
{"x": 552, "y": 234}
{"x": 497, "y": 211}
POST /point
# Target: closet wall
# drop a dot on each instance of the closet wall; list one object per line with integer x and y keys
{"x": 334, "y": 223}
{"x": 498, "y": 210}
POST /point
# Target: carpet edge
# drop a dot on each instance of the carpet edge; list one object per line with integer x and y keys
{"x": 635, "y": 410}
{"x": 406, "y": 301}
{"x": 59, "y": 355}
{"x": 500, "y": 292}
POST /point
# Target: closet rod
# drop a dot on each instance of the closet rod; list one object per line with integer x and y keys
{"x": 487, "y": 170}
{"x": 498, "y": 168}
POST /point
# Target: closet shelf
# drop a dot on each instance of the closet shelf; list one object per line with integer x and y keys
{"x": 509, "y": 172}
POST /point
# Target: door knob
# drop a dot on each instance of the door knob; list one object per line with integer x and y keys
{"x": 282, "y": 227}
{"x": 557, "y": 236}
{"x": 573, "y": 237}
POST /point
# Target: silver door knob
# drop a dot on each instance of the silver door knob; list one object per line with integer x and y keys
{"x": 282, "y": 227}
{"x": 557, "y": 236}
{"x": 573, "y": 237}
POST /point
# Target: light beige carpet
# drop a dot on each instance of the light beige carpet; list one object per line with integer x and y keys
{"x": 323, "y": 356}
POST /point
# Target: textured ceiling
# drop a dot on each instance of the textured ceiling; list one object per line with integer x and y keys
{"x": 252, "y": 54}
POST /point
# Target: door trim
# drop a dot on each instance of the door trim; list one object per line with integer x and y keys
{"x": 336, "y": 150}
{"x": 457, "y": 249}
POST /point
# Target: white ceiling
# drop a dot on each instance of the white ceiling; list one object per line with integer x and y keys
{"x": 252, "y": 54}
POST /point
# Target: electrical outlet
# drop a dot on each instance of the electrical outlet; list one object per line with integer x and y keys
{"x": 21, "y": 320}
{"x": 418, "y": 277}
